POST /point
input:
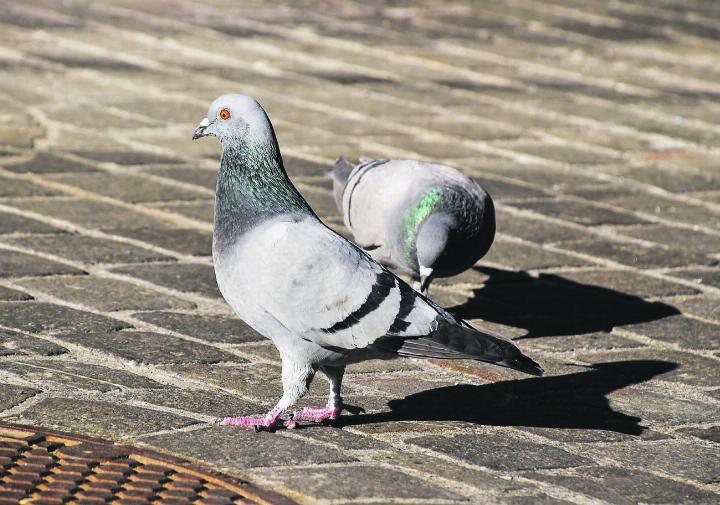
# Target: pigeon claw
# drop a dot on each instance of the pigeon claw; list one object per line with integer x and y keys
{"x": 324, "y": 415}
{"x": 256, "y": 423}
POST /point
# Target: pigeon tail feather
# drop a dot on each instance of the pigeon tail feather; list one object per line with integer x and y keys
{"x": 460, "y": 340}
{"x": 341, "y": 171}
{"x": 523, "y": 364}
{"x": 340, "y": 174}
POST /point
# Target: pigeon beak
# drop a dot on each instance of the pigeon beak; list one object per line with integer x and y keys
{"x": 200, "y": 130}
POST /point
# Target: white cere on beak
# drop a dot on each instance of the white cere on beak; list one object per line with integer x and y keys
{"x": 205, "y": 122}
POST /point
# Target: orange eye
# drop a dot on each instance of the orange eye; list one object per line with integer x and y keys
{"x": 224, "y": 114}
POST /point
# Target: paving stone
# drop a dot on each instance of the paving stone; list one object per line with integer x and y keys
{"x": 663, "y": 208}
{"x": 630, "y": 283}
{"x": 10, "y": 395}
{"x": 639, "y": 256}
{"x": 381, "y": 365}
{"x": 360, "y": 482}
{"x": 711, "y": 434}
{"x": 474, "y": 129}
{"x": 676, "y": 182}
{"x": 13, "y": 295}
{"x": 38, "y": 317}
{"x": 674, "y": 458}
{"x": 691, "y": 239}
{"x": 686, "y": 368}
{"x": 12, "y": 223}
{"x": 153, "y": 348}
{"x": 538, "y": 499}
{"x": 321, "y": 201}
{"x": 627, "y": 487}
{"x": 127, "y": 187}
{"x": 522, "y": 256}
{"x": 79, "y": 116}
{"x": 200, "y": 210}
{"x": 91, "y": 214}
{"x": 237, "y": 450}
{"x": 502, "y": 190}
{"x": 580, "y": 213}
{"x": 708, "y": 196}
{"x": 707, "y": 306}
{"x": 204, "y": 178}
{"x": 657, "y": 406}
{"x": 105, "y": 294}
{"x": 472, "y": 276}
{"x": 100, "y": 418}
{"x": 18, "y": 188}
{"x": 297, "y": 167}
{"x": 264, "y": 349}
{"x": 44, "y": 162}
{"x": 124, "y": 157}
{"x": 706, "y": 277}
{"x": 185, "y": 277}
{"x": 77, "y": 375}
{"x": 340, "y": 438}
{"x": 558, "y": 152}
{"x": 501, "y": 452}
{"x": 183, "y": 241}
{"x": 591, "y": 436}
{"x": 597, "y": 341}
{"x": 13, "y": 343}
{"x": 17, "y": 264}
{"x": 415, "y": 461}
{"x": 89, "y": 249}
{"x": 536, "y": 230}
{"x": 401, "y": 386}
{"x": 209, "y": 403}
{"x": 228, "y": 330}
{"x": 687, "y": 332}
{"x": 394, "y": 426}
{"x": 543, "y": 176}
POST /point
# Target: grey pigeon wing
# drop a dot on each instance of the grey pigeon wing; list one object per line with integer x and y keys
{"x": 328, "y": 291}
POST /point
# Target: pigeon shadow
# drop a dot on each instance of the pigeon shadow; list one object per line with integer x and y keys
{"x": 576, "y": 400}
{"x": 550, "y": 305}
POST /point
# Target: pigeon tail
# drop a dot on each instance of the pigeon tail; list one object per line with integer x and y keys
{"x": 340, "y": 175}
{"x": 523, "y": 364}
{"x": 460, "y": 340}
{"x": 341, "y": 171}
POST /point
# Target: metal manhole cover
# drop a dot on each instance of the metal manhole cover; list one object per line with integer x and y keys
{"x": 45, "y": 467}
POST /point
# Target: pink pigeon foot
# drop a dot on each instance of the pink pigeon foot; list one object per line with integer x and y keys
{"x": 316, "y": 415}
{"x": 267, "y": 423}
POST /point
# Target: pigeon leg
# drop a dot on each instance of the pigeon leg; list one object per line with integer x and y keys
{"x": 331, "y": 410}
{"x": 296, "y": 380}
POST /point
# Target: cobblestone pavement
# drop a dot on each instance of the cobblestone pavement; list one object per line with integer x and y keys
{"x": 595, "y": 126}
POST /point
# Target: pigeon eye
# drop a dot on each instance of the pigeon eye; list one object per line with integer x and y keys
{"x": 224, "y": 114}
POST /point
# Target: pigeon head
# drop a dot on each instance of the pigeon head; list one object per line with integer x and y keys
{"x": 235, "y": 120}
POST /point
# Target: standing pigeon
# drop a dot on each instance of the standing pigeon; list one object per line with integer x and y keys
{"x": 426, "y": 220}
{"x": 322, "y": 301}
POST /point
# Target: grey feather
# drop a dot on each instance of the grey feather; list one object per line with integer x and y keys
{"x": 339, "y": 174}
{"x": 420, "y": 217}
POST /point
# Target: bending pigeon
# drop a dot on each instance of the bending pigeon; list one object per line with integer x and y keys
{"x": 426, "y": 220}
{"x": 322, "y": 301}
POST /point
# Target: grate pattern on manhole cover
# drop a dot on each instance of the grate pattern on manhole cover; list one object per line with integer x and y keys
{"x": 46, "y": 467}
